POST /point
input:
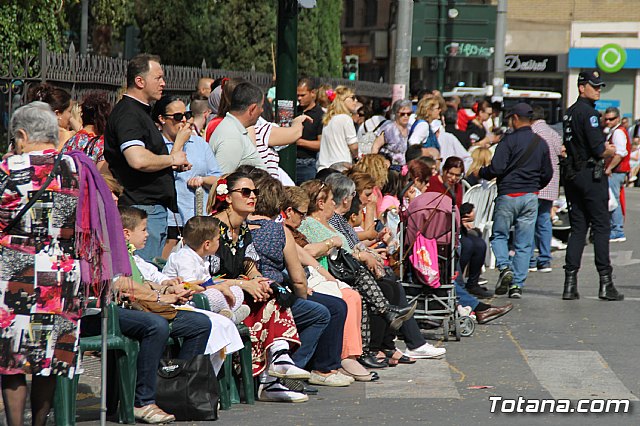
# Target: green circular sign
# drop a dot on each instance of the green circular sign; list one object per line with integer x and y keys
{"x": 611, "y": 57}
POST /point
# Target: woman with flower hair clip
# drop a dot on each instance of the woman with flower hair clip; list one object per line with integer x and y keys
{"x": 339, "y": 143}
{"x": 273, "y": 331}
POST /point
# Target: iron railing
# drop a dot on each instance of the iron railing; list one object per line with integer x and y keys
{"x": 80, "y": 73}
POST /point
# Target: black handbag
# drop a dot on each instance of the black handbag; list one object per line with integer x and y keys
{"x": 188, "y": 389}
{"x": 344, "y": 266}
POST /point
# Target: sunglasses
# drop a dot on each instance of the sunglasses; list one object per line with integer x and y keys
{"x": 302, "y": 214}
{"x": 404, "y": 114}
{"x": 610, "y": 118}
{"x": 352, "y": 97}
{"x": 246, "y": 192}
{"x": 178, "y": 116}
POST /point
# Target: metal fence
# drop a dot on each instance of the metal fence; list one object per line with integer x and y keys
{"x": 81, "y": 73}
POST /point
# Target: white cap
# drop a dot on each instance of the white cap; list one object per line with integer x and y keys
{"x": 436, "y": 125}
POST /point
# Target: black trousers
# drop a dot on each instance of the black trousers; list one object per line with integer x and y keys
{"x": 588, "y": 206}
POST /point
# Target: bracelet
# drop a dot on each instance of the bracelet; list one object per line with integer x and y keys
{"x": 329, "y": 244}
{"x": 158, "y": 298}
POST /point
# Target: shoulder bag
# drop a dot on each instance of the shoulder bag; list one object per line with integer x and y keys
{"x": 188, "y": 389}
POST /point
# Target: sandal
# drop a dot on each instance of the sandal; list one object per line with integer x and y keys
{"x": 152, "y": 414}
{"x": 402, "y": 359}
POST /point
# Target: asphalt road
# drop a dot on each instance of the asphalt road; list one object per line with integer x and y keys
{"x": 546, "y": 348}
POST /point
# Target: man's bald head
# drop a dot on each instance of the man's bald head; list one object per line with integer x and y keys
{"x": 204, "y": 86}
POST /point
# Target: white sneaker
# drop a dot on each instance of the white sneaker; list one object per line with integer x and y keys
{"x": 533, "y": 269}
{"x": 335, "y": 380}
{"x": 618, "y": 240}
{"x": 557, "y": 244}
{"x": 276, "y": 392}
{"x": 241, "y": 314}
{"x": 464, "y": 311}
{"x": 425, "y": 351}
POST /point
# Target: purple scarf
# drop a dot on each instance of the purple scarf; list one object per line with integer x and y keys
{"x": 100, "y": 244}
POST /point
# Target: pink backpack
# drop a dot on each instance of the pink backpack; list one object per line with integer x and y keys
{"x": 425, "y": 260}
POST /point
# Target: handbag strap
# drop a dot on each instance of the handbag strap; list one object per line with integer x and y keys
{"x": 17, "y": 218}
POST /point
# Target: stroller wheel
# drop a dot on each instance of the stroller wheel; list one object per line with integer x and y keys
{"x": 456, "y": 324}
{"x": 467, "y": 326}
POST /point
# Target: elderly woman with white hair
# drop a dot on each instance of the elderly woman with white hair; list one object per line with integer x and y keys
{"x": 393, "y": 138}
{"x": 51, "y": 256}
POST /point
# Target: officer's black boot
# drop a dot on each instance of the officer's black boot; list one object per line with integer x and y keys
{"x": 570, "y": 285}
{"x": 607, "y": 289}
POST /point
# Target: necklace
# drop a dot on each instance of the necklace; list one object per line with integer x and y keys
{"x": 233, "y": 231}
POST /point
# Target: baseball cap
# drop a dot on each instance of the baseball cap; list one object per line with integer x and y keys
{"x": 521, "y": 110}
{"x": 591, "y": 77}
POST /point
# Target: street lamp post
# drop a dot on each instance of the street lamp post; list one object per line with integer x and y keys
{"x": 287, "y": 76}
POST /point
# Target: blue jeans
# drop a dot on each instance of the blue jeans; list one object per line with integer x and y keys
{"x": 520, "y": 212}
{"x": 152, "y": 331}
{"x": 157, "y": 228}
{"x": 329, "y": 349}
{"x": 473, "y": 250}
{"x": 616, "y": 180}
{"x": 543, "y": 234}
{"x": 463, "y": 296}
{"x": 306, "y": 169}
{"x": 311, "y": 320}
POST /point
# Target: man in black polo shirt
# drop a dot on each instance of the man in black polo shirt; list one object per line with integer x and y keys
{"x": 137, "y": 155}
{"x": 309, "y": 143}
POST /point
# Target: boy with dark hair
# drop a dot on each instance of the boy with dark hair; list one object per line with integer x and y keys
{"x": 202, "y": 238}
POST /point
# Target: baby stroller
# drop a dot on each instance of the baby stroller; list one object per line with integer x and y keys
{"x": 432, "y": 215}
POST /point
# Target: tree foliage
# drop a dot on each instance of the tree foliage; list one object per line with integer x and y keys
{"x": 245, "y": 32}
{"x": 181, "y": 33}
{"x": 23, "y": 23}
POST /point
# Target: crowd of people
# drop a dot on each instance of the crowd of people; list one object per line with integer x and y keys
{"x": 197, "y": 183}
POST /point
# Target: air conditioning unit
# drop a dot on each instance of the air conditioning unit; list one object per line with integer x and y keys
{"x": 380, "y": 44}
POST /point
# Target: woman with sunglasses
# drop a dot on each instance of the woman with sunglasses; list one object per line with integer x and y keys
{"x": 429, "y": 109}
{"x": 273, "y": 331}
{"x": 394, "y": 135}
{"x": 339, "y": 143}
{"x": 170, "y": 113}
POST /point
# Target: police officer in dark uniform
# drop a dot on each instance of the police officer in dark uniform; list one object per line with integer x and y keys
{"x": 586, "y": 187}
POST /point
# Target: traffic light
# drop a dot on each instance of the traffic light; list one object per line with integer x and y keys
{"x": 351, "y": 67}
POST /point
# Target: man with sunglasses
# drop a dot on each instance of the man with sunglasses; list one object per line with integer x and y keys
{"x": 617, "y": 168}
{"x": 587, "y": 188}
{"x": 137, "y": 155}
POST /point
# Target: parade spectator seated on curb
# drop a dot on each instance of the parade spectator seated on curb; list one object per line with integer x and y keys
{"x": 230, "y": 141}
{"x": 171, "y": 115}
{"x": 137, "y": 154}
{"x": 202, "y": 239}
{"x": 151, "y": 329}
{"x": 319, "y": 318}
{"x": 273, "y": 331}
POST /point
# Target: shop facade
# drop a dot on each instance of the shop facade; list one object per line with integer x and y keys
{"x": 614, "y": 49}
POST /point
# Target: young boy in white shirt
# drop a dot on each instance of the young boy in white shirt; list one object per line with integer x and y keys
{"x": 201, "y": 236}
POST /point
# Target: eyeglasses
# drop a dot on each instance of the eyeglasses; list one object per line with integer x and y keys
{"x": 302, "y": 214}
{"x": 246, "y": 192}
{"x": 178, "y": 116}
{"x": 352, "y": 97}
{"x": 610, "y": 118}
{"x": 404, "y": 114}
